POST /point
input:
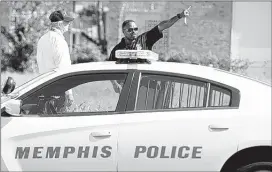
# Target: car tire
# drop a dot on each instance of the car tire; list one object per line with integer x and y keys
{"x": 256, "y": 167}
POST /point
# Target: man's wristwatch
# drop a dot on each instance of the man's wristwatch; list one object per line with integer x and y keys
{"x": 179, "y": 15}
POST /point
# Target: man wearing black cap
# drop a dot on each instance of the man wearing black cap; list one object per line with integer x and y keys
{"x": 53, "y": 50}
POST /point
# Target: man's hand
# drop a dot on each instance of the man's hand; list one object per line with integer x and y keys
{"x": 165, "y": 24}
{"x": 186, "y": 12}
{"x": 69, "y": 98}
{"x": 116, "y": 86}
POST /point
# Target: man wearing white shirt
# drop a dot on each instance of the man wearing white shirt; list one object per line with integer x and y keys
{"x": 52, "y": 50}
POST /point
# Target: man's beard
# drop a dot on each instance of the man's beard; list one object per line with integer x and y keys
{"x": 130, "y": 40}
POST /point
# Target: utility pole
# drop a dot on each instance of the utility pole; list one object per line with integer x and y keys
{"x": 105, "y": 42}
{"x": 101, "y": 26}
{"x": 99, "y": 18}
{"x": 71, "y": 35}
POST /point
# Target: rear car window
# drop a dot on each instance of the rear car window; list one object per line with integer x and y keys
{"x": 164, "y": 92}
{"x": 219, "y": 97}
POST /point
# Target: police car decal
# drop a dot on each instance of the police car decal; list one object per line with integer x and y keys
{"x": 105, "y": 152}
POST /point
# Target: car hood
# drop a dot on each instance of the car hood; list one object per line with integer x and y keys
{"x": 4, "y": 99}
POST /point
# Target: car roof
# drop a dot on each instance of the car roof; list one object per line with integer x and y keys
{"x": 171, "y": 67}
{"x": 155, "y": 66}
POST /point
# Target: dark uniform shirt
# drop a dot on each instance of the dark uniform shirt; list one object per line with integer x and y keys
{"x": 144, "y": 41}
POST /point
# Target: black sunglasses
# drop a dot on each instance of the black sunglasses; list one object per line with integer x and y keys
{"x": 131, "y": 29}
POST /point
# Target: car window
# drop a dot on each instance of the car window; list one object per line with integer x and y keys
{"x": 91, "y": 93}
{"x": 165, "y": 92}
{"x": 219, "y": 96}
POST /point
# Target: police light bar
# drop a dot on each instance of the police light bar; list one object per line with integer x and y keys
{"x": 136, "y": 54}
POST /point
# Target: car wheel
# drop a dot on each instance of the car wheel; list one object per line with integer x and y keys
{"x": 256, "y": 167}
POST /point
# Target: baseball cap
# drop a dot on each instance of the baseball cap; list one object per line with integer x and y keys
{"x": 60, "y": 15}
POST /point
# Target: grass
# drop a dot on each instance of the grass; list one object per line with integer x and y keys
{"x": 93, "y": 97}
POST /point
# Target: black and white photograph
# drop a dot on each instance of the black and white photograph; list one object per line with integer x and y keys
{"x": 105, "y": 85}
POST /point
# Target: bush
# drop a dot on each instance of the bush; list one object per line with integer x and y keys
{"x": 87, "y": 54}
{"x": 240, "y": 66}
{"x": 209, "y": 59}
{"x": 17, "y": 58}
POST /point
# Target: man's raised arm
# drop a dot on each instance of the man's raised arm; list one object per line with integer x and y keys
{"x": 168, "y": 23}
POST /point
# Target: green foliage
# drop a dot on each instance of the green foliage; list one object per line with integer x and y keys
{"x": 210, "y": 59}
{"x": 240, "y": 66}
{"x": 88, "y": 53}
{"x": 20, "y": 50}
{"x": 89, "y": 14}
{"x": 93, "y": 15}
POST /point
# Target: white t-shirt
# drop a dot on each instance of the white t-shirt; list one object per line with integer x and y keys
{"x": 52, "y": 52}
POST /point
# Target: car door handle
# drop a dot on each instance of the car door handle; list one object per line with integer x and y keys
{"x": 101, "y": 134}
{"x": 217, "y": 128}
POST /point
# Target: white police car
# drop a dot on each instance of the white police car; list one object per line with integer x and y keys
{"x": 129, "y": 116}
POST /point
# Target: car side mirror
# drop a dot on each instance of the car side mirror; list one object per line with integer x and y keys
{"x": 9, "y": 86}
{"x": 11, "y": 107}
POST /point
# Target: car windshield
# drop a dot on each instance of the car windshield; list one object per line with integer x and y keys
{"x": 32, "y": 81}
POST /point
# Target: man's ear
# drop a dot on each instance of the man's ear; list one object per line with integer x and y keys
{"x": 60, "y": 24}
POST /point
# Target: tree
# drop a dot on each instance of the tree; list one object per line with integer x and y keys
{"x": 17, "y": 59}
{"x": 95, "y": 15}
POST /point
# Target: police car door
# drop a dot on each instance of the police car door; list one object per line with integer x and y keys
{"x": 168, "y": 128}
{"x": 82, "y": 137}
